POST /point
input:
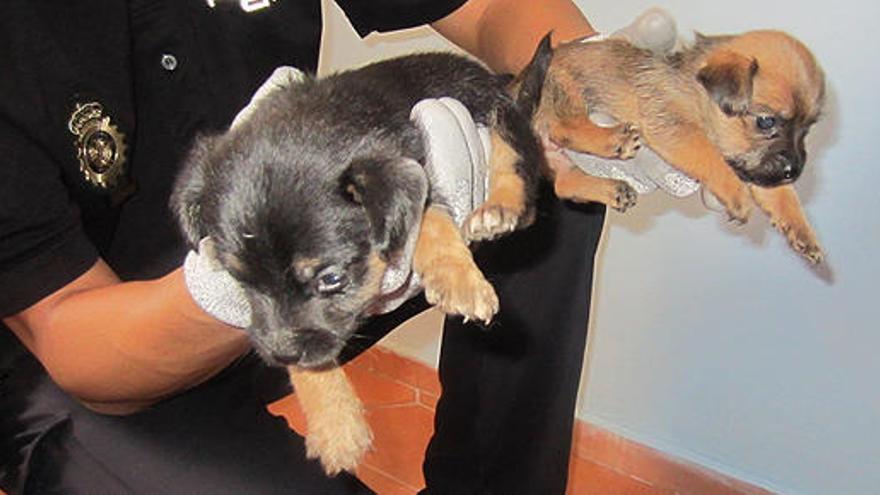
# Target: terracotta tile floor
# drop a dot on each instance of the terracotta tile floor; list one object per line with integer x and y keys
{"x": 397, "y": 391}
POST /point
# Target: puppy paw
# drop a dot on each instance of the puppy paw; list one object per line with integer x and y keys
{"x": 460, "y": 290}
{"x": 339, "y": 442}
{"x": 629, "y": 142}
{"x": 490, "y": 221}
{"x": 624, "y": 197}
{"x": 619, "y": 142}
{"x": 812, "y": 252}
{"x": 802, "y": 241}
{"x": 738, "y": 204}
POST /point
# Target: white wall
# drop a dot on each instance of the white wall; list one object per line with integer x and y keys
{"x": 716, "y": 343}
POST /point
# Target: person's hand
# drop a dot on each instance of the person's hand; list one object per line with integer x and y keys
{"x": 653, "y": 30}
{"x": 457, "y": 154}
{"x": 213, "y": 288}
{"x": 456, "y": 165}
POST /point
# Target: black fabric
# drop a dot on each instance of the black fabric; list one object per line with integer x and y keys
{"x": 504, "y": 421}
{"x": 217, "y": 438}
{"x": 54, "y": 225}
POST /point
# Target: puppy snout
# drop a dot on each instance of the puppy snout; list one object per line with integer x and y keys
{"x": 777, "y": 169}
{"x": 309, "y": 349}
{"x": 788, "y": 172}
{"x": 791, "y": 164}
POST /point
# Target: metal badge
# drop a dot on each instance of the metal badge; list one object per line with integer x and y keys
{"x": 100, "y": 146}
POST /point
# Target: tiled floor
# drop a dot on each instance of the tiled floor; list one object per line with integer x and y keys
{"x": 397, "y": 391}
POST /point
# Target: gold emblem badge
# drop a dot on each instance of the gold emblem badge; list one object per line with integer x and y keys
{"x": 100, "y": 146}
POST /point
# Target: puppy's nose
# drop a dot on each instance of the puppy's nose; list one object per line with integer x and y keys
{"x": 303, "y": 359}
{"x": 792, "y": 166}
{"x": 310, "y": 348}
{"x": 287, "y": 359}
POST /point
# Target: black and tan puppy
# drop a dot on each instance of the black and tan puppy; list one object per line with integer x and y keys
{"x": 730, "y": 111}
{"x": 313, "y": 198}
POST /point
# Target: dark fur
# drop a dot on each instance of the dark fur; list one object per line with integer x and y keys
{"x": 321, "y": 181}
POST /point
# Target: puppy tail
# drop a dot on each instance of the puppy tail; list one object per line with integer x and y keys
{"x": 528, "y": 86}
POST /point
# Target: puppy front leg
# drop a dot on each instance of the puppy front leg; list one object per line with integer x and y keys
{"x": 575, "y": 185}
{"x": 506, "y": 200}
{"x": 451, "y": 278}
{"x": 572, "y": 183}
{"x": 579, "y": 133}
{"x": 786, "y": 214}
{"x": 337, "y": 432}
{"x": 692, "y": 153}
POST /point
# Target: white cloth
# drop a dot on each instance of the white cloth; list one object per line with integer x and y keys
{"x": 213, "y": 288}
{"x": 457, "y": 151}
{"x": 645, "y": 173}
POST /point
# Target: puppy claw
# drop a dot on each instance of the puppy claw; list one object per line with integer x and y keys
{"x": 735, "y": 219}
{"x": 489, "y": 222}
{"x": 804, "y": 244}
{"x": 625, "y": 197}
{"x": 630, "y": 142}
{"x": 738, "y": 205}
{"x": 461, "y": 292}
{"x": 814, "y": 255}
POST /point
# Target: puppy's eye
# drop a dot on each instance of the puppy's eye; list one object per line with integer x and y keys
{"x": 765, "y": 122}
{"x": 332, "y": 282}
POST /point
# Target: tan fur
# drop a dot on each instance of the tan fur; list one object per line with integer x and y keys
{"x": 781, "y": 204}
{"x": 662, "y": 102}
{"x": 337, "y": 431}
{"x": 452, "y": 280}
{"x": 571, "y": 183}
{"x": 372, "y": 285}
{"x": 506, "y": 199}
{"x": 305, "y": 267}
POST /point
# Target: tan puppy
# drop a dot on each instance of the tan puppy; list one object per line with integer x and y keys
{"x": 729, "y": 111}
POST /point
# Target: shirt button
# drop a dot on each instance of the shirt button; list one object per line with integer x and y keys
{"x": 169, "y": 62}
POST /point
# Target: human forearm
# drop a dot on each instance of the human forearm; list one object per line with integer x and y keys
{"x": 504, "y": 33}
{"x": 120, "y": 346}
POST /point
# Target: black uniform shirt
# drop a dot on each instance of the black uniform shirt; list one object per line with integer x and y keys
{"x": 161, "y": 71}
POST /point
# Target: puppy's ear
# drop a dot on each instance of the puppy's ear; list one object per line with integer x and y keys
{"x": 393, "y": 194}
{"x": 531, "y": 79}
{"x": 728, "y": 76}
{"x": 189, "y": 191}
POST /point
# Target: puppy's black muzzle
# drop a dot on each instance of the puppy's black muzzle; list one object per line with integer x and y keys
{"x": 777, "y": 169}
{"x": 308, "y": 349}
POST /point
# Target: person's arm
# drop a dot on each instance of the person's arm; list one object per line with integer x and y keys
{"x": 120, "y": 346}
{"x": 504, "y": 33}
